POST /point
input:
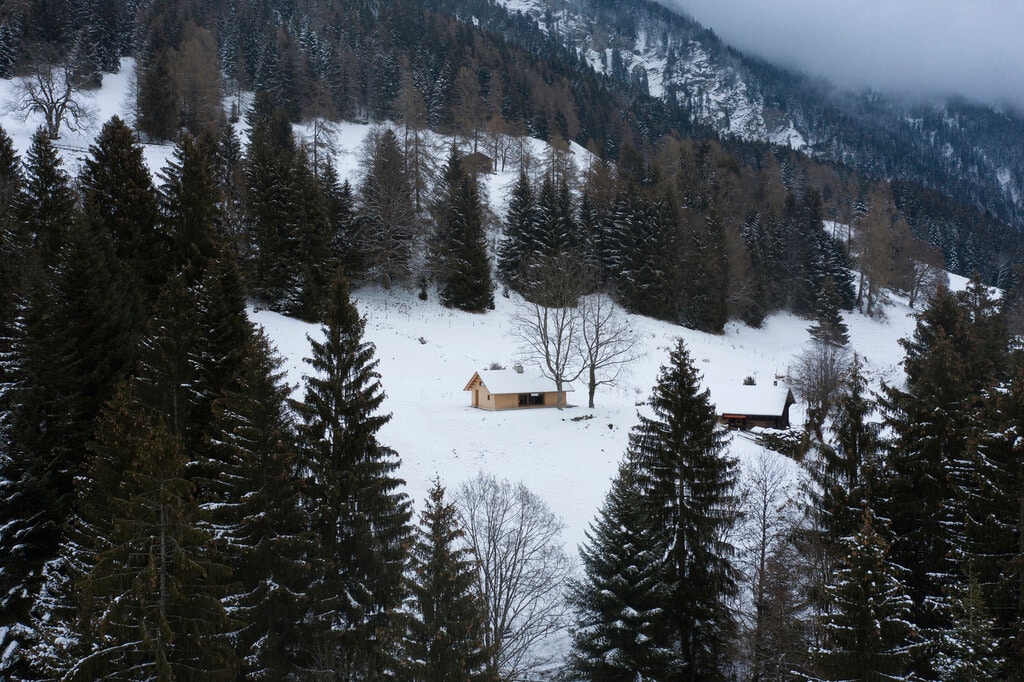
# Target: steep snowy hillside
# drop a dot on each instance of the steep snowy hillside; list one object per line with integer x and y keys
{"x": 428, "y": 353}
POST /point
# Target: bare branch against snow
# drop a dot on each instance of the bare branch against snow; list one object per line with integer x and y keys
{"x": 607, "y": 342}
{"x": 53, "y": 87}
{"x": 522, "y": 569}
{"x": 549, "y": 323}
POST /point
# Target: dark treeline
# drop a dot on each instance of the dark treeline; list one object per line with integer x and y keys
{"x": 168, "y": 512}
{"x": 901, "y": 561}
{"x": 425, "y": 65}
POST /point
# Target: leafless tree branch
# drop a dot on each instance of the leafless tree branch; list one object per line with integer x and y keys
{"x": 522, "y": 569}
{"x": 53, "y": 88}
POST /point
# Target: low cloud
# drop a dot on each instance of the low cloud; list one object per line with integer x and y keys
{"x": 973, "y": 48}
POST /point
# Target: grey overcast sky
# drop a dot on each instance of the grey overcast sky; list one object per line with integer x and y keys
{"x": 973, "y": 48}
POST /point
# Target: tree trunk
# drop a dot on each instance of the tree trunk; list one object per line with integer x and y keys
{"x": 592, "y": 386}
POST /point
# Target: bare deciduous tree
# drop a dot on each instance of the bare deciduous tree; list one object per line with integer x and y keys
{"x": 522, "y": 570}
{"x": 54, "y": 88}
{"x": 775, "y": 633}
{"x": 925, "y": 271}
{"x": 607, "y": 342}
{"x": 817, "y": 378}
{"x": 549, "y": 323}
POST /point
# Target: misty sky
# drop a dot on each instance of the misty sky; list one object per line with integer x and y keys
{"x": 923, "y": 47}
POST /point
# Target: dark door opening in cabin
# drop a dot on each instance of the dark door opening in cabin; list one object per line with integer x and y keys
{"x": 531, "y": 399}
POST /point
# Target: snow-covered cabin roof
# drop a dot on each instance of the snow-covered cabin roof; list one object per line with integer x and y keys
{"x": 499, "y": 381}
{"x": 751, "y": 400}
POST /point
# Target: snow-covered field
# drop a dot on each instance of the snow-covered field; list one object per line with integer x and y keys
{"x": 568, "y": 463}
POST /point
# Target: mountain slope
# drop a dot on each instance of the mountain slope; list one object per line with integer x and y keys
{"x": 971, "y": 153}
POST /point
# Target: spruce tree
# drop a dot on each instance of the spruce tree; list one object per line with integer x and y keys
{"x": 388, "y": 220}
{"x": 257, "y": 505}
{"x": 445, "y": 639}
{"x": 159, "y": 93}
{"x": 621, "y": 631}
{"x": 49, "y": 206}
{"x": 679, "y": 455}
{"x": 190, "y": 208}
{"x": 357, "y": 511}
{"x": 930, "y": 474}
{"x": 846, "y": 472}
{"x": 313, "y": 261}
{"x": 231, "y": 181}
{"x": 150, "y": 601}
{"x": 993, "y": 520}
{"x": 222, "y": 337}
{"x": 72, "y": 343}
{"x": 13, "y": 242}
{"x": 969, "y": 649}
{"x": 552, "y": 235}
{"x": 828, "y": 324}
{"x": 119, "y": 198}
{"x": 705, "y": 276}
{"x": 459, "y": 248}
{"x": 868, "y": 635}
{"x": 518, "y": 224}
{"x": 271, "y": 201}
{"x": 345, "y": 247}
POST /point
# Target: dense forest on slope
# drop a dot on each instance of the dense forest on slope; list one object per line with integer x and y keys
{"x": 475, "y": 67}
{"x": 963, "y": 149}
{"x": 169, "y": 510}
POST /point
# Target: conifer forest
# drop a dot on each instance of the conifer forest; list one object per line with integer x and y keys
{"x": 172, "y": 508}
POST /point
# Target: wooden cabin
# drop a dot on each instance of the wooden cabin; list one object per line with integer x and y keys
{"x": 478, "y": 163}
{"x": 745, "y": 407}
{"x": 513, "y": 389}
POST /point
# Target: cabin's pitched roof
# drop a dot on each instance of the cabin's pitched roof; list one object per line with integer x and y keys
{"x": 504, "y": 381}
{"x": 751, "y": 400}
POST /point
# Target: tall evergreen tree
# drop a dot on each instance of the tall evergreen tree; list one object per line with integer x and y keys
{"x": 289, "y": 215}
{"x": 13, "y": 242}
{"x": 929, "y": 472}
{"x": 190, "y": 208}
{"x": 388, "y": 221}
{"x": 868, "y": 634}
{"x": 345, "y": 247}
{"x": 828, "y": 324}
{"x": 845, "y": 470}
{"x": 994, "y": 524}
{"x": 634, "y": 233}
{"x": 73, "y": 342}
{"x": 357, "y": 512}
{"x": 256, "y": 502}
{"x": 49, "y": 206}
{"x": 271, "y": 202}
{"x": 679, "y": 454}
{"x": 150, "y": 602}
{"x": 459, "y": 248}
{"x": 518, "y": 224}
{"x": 159, "y": 92}
{"x": 222, "y": 338}
{"x": 705, "y": 277}
{"x": 445, "y": 640}
{"x": 118, "y": 196}
{"x": 313, "y": 260}
{"x": 969, "y": 649}
{"x": 621, "y": 631}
